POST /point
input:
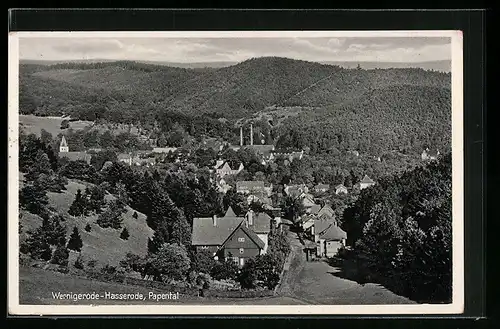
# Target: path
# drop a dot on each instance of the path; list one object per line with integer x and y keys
{"x": 316, "y": 283}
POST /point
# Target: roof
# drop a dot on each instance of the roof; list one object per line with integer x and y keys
{"x": 340, "y": 186}
{"x": 76, "y": 156}
{"x": 63, "y": 141}
{"x": 326, "y": 210}
{"x": 265, "y": 150}
{"x": 314, "y": 209}
{"x": 123, "y": 156}
{"x": 367, "y": 179}
{"x": 432, "y": 152}
{"x": 251, "y": 234}
{"x": 232, "y": 165}
{"x": 230, "y": 212}
{"x": 250, "y": 184}
{"x": 164, "y": 149}
{"x": 322, "y": 186}
{"x": 320, "y": 226}
{"x": 205, "y": 233}
{"x": 261, "y": 223}
{"x": 333, "y": 233}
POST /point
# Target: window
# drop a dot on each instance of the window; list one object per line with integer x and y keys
{"x": 241, "y": 239}
{"x": 204, "y": 247}
{"x": 242, "y": 250}
{"x": 235, "y": 260}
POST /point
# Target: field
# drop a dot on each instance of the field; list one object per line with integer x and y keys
{"x": 34, "y": 124}
{"x": 103, "y": 245}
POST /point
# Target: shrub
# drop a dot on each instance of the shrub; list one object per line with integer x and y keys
{"x": 108, "y": 269}
{"x": 135, "y": 215}
{"x": 203, "y": 261}
{"x": 60, "y": 256}
{"x": 224, "y": 270}
{"x": 132, "y": 262}
{"x": 170, "y": 262}
{"x": 91, "y": 263}
{"x": 88, "y": 228}
{"x": 79, "y": 262}
{"x": 124, "y": 235}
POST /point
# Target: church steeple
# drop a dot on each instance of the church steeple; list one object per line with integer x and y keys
{"x": 63, "y": 147}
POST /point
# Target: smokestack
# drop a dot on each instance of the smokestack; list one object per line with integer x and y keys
{"x": 241, "y": 136}
{"x": 251, "y": 134}
{"x": 214, "y": 218}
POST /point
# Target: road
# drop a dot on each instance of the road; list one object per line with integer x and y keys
{"x": 316, "y": 283}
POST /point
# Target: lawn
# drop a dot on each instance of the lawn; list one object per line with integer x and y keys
{"x": 34, "y": 124}
{"x": 103, "y": 245}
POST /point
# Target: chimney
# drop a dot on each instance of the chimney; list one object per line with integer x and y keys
{"x": 241, "y": 136}
{"x": 251, "y": 134}
{"x": 214, "y": 219}
{"x": 250, "y": 217}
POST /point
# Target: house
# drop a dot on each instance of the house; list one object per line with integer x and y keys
{"x": 165, "y": 150}
{"x": 307, "y": 201}
{"x": 148, "y": 162}
{"x": 265, "y": 151}
{"x": 326, "y": 212}
{"x": 295, "y": 190}
{"x": 261, "y": 224}
{"x": 247, "y": 187}
{"x": 341, "y": 189}
{"x": 125, "y": 158}
{"x": 223, "y": 168}
{"x": 290, "y": 156}
{"x": 329, "y": 238}
{"x": 366, "y": 182}
{"x": 322, "y": 188}
{"x": 228, "y": 237}
{"x": 430, "y": 154}
{"x": 306, "y": 222}
{"x": 72, "y": 156}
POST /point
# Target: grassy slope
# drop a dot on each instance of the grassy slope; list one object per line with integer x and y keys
{"x": 34, "y": 124}
{"x": 103, "y": 245}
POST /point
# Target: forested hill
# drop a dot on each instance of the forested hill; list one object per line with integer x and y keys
{"x": 395, "y": 103}
{"x": 233, "y": 92}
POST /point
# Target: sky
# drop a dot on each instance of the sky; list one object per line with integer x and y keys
{"x": 196, "y": 50}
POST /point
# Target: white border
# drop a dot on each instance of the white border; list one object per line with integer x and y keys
{"x": 456, "y": 307}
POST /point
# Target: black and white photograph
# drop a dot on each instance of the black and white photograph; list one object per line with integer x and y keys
{"x": 269, "y": 172}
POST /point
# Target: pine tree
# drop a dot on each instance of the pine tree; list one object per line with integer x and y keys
{"x": 78, "y": 207}
{"x": 33, "y": 198}
{"x": 135, "y": 215}
{"x": 75, "y": 241}
{"x": 60, "y": 256}
{"x": 124, "y": 235}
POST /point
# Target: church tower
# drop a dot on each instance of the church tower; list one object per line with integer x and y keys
{"x": 63, "y": 147}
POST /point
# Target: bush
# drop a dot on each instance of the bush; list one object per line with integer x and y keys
{"x": 108, "y": 269}
{"x": 60, "y": 256}
{"x": 88, "y": 228}
{"x": 124, "y": 235}
{"x": 79, "y": 262}
{"x": 64, "y": 124}
{"x": 264, "y": 268}
{"x": 91, "y": 263}
{"x": 224, "y": 270}
{"x": 135, "y": 215}
{"x": 132, "y": 262}
{"x": 170, "y": 262}
{"x": 203, "y": 261}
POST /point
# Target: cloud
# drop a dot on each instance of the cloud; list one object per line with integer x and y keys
{"x": 409, "y": 49}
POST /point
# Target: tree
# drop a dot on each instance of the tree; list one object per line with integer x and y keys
{"x": 88, "y": 228}
{"x": 64, "y": 124}
{"x": 124, "y": 235}
{"x": 60, "y": 256}
{"x": 171, "y": 262}
{"x": 111, "y": 217}
{"x": 133, "y": 262}
{"x": 79, "y": 205}
{"x": 236, "y": 201}
{"x": 40, "y": 166}
{"x": 33, "y": 198}
{"x": 75, "y": 241}
{"x": 135, "y": 216}
{"x": 79, "y": 262}
{"x": 45, "y": 137}
{"x": 293, "y": 208}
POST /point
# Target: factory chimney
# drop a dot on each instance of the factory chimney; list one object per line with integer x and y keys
{"x": 241, "y": 136}
{"x": 251, "y": 134}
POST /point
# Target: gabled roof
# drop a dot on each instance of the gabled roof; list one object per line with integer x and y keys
{"x": 205, "y": 233}
{"x": 230, "y": 212}
{"x": 76, "y": 156}
{"x": 250, "y": 185}
{"x": 333, "y": 233}
{"x": 367, "y": 180}
{"x": 340, "y": 186}
{"x": 314, "y": 209}
{"x": 251, "y": 234}
{"x": 326, "y": 211}
{"x": 321, "y": 226}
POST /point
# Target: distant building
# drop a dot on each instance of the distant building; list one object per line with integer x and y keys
{"x": 366, "y": 182}
{"x": 290, "y": 156}
{"x": 341, "y": 189}
{"x": 223, "y": 168}
{"x": 295, "y": 190}
{"x": 72, "y": 156}
{"x": 164, "y": 149}
{"x": 329, "y": 238}
{"x": 247, "y": 187}
{"x": 322, "y": 188}
{"x": 222, "y": 186}
{"x": 430, "y": 154}
{"x": 125, "y": 158}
